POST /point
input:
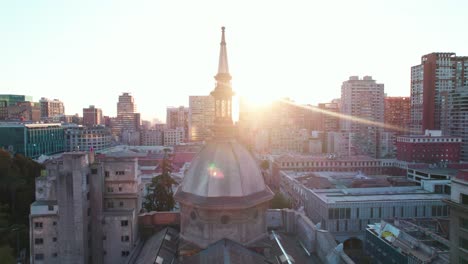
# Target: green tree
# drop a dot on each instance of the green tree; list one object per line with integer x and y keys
{"x": 6, "y": 255}
{"x": 17, "y": 191}
{"x": 160, "y": 196}
{"x": 280, "y": 202}
{"x": 265, "y": 165}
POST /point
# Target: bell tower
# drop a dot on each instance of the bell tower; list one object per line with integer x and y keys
{"x": 222, "y": 94}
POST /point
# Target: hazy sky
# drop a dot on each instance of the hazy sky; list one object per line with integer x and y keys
{"x": 88, "y": 52}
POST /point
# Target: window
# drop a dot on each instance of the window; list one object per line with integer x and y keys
{"x": 125, "y": 253}
{"x": 54, "y": 239}
{"x": 89, "y": 211}
{"x": 125, "y": 238}
{"x": 38, "y": 241}
{"x": 51, "y": 207}
{"x": 464, "y": 199}
{"x": 104, "y": 237}
{"x": 110, "y": 189}
{"x": 124, "y": 223}
{"x": 94, "y": 171}
{"x": 38, "y": 225}
{"x": 54, "y": 255}
{"x": 463, "y": 243}
{"x": 106, "y": 174}
{"x": 462, "y": 260}
{"x": 54, "y": 223}
{"x": 463, "y": 223}
{"x": 121, "y": 204}
{"x": 120, "y": 189}
{"x": 120, "y": 173}
{"x": 39, "y": 256}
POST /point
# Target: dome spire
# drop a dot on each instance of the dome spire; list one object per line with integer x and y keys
{"x": 223, "y": 67}
{"x": 223, "y": 95}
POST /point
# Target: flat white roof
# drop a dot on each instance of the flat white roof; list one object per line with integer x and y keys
{"x": 378, "y": 194}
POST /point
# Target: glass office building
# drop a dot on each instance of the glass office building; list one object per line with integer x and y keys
{"x": 12, "y": 99}
{"x": 32, "y": 140}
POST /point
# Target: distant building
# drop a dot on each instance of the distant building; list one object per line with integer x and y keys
{"x": 401, "y": 241}
{"x": 92, "y": 116}
{"x": 32, "y": 140}
{"x": 201, "y": 117}
{"x": 458, "y": 203}
{"x": 173, "y": 137}
{"x": 128, "y": 121}
{"x": 387, "y": 145}
{"x": 3, "y": 110}
{"x": 24, "y": 111}
{"x": 288, "y": 140}
{"x": 51, "y": 108}
{"x": 79, "y": 138}
{"x": 432, "y": 83}
{"x": 329, "y": 117}
{"x": 429, "y": 148}
{"x": 397, "y": 114}
{"x": 178, "y": 117}
{"x": 458, "y": 115}
{"x": 12, "y": 99}
{"x": 151, "y": 137}
{"x": 85, "y": 210}
{"x": 160, "y": 127}
{"x": 363, "y": 99}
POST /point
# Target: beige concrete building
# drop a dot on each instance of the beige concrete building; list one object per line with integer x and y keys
{"x": 362, "y": 100}
{"x": 201, "y": 117}
{"x": 92, "y": 116}
{"x": 51, "y": 108}
{"x": 458, "y": 204}
{"x": 178, "y": 117}
{"x": 80, "y": 138}
{"x": 24, "y": 111}
{"x": 85, "y": 210}
{"x": 174, "y": 137}
{"x": 128, "y": 121}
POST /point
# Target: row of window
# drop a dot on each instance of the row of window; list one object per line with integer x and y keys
{"x": 111, "y": 204}
{"x": 107, "y": 173}
{"x": 40, "y": 256}
{"x": 317, "y": 164}
{"x": 40, "y": 241}
{"x": 376, "y": 212}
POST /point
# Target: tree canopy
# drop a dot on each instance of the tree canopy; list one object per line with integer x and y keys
{"x": 160, "y": 196}
{"x": 17, "y": 192}
{"x": 279, "y": 201}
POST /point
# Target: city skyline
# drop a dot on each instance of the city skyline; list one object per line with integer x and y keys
{"x": 88, "y": 55}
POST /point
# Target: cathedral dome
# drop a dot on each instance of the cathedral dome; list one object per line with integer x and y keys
{"x": 223, "y": 194}
{"x": 224, "y": 173}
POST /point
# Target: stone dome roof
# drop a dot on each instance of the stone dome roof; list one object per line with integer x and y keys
{"x": 223, "y": 173}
